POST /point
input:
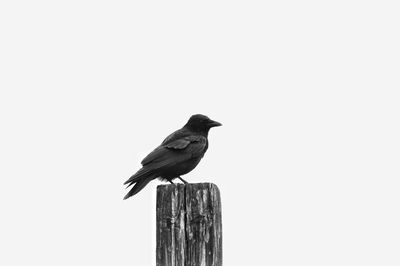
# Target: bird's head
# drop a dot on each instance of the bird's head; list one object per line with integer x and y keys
{"x": 201, "y": 123}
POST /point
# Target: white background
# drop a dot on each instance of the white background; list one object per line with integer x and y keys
{"x": 307, "y": 160}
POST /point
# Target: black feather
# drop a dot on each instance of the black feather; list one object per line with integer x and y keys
{"x": 137, "y": 187}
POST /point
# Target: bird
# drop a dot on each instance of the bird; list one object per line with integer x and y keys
{"x": 177, "y": 155}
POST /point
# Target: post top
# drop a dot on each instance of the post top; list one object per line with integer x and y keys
{"x": 188, "y": 187}
{"x": 192, "y": 185}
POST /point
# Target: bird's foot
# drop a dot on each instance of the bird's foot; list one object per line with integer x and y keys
{"x": 183, "y": 180}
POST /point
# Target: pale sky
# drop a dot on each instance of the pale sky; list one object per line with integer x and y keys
{"x": 307, "y": 159}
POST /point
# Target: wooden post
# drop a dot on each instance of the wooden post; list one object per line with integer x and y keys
{"x": 189, "y": 227}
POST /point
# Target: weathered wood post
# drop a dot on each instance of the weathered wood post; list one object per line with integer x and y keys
{"x": 189, "y": 227}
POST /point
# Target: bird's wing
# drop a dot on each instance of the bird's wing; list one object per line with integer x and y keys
{"x": 197, "y": 147}
{"x": 176, "y": 151}
{"x": 178, "y": 144}
{"x": 179, "y": 134}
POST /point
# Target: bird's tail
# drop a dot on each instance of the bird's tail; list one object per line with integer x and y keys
{"x": 141, "y": 174}
{"x": 138, "y": 186}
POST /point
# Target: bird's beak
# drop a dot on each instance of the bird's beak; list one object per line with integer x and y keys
{"x": 214, "y": 124}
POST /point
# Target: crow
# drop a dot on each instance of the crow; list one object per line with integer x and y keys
{"x": 177, "y": 155}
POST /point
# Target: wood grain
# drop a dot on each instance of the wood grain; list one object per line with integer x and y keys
{"x": 189, "y": 226}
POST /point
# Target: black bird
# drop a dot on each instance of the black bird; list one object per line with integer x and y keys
{"x": 177, "y": 155}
